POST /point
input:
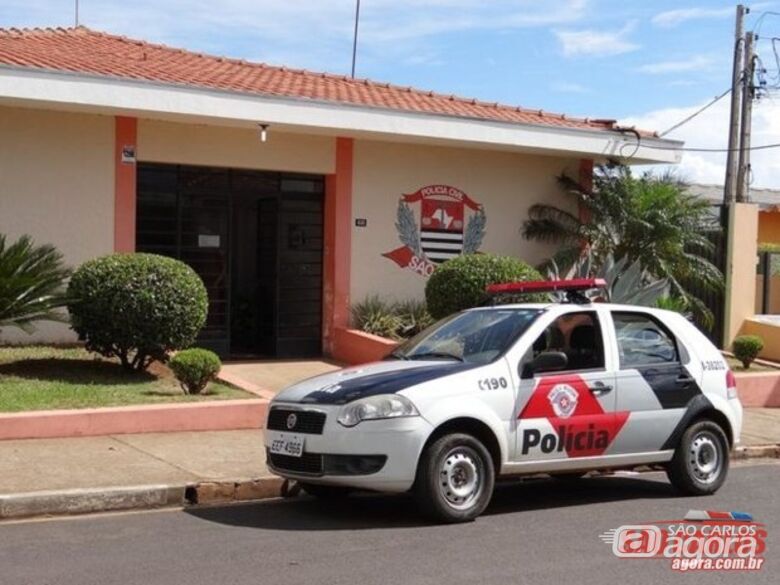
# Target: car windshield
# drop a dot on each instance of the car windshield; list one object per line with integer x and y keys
{"x": 472, "y": 336}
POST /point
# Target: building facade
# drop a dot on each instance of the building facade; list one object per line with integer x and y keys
{"x": 292, "y": 194}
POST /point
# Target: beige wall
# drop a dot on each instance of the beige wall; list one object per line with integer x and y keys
{"x": 741, "y": 265}
{"x": 234, "y": 147}
{"x": 57, "y": 185}
{"x": 506, "y": 184}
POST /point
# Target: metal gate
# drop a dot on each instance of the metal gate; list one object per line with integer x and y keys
{"x": 714, "y": 300}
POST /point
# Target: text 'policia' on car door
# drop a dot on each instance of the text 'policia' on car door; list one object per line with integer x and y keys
{"x": 569, "y": 413}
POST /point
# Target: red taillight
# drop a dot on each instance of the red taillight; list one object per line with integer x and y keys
{"x": 731, "y": 384}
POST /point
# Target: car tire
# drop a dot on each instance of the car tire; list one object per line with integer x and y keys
{"x": 701, "y": 461}
{"x": 455, "y": 479}
{"x": 325, "y": 492}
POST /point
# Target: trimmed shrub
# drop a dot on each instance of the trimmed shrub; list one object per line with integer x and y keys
{"x": 460, "y": 283}
{"x": 195, "y": 368}
{"x": 136, "y": 307}
{"x": 746, "y": 348}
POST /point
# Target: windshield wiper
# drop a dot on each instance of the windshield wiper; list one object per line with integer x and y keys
{"x": 434, "y": 354}
{"x": 397, "y": 355}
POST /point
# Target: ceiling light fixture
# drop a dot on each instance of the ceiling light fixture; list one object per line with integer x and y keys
{"x": 263, "y": 132}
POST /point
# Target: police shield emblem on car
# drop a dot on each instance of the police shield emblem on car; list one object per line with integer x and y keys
{"x": 513, "y": 389}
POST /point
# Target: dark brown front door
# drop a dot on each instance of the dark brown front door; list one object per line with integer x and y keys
{"x": 255, "y": 238}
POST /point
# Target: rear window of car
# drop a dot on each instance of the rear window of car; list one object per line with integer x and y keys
{"x": 642, "y": 340}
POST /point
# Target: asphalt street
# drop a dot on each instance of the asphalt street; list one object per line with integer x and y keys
{"x": 542, "y": 531}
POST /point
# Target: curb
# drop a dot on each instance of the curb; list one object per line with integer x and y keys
{"x": 93, "y": 500}
{"x": 203, "y": 493}
{"x": 756, "y": 452}
{"x": 85, "y": 501}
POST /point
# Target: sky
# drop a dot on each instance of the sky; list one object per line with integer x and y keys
{"x": 649, "y": 63}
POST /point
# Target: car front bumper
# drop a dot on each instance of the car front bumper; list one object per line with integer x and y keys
{"x": 376, "y": 455}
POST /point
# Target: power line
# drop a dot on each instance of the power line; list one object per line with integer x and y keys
{"x": 696, "y": 113}
{"x": 702, "y": 149}
{"x": 760, "y": 21}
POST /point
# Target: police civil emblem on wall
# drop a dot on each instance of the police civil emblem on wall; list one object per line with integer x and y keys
{"x": 451, "y": 223}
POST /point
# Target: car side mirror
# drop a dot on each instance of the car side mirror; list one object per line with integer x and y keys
{"x": 547, "y": 361}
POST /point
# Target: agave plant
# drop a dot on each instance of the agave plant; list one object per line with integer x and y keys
{"x": 626, "y": 283}
{"x": 31, "y": 283}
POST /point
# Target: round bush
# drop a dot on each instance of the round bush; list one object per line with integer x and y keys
{"x": 195, "y": 368}
{"x": 136, "y": 307}
{"x": 460, "y": 283}
{"x": 747, "y": 348}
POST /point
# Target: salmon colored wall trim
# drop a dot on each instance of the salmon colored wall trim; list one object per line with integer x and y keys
{"x": 216, "y": 415}
{"x": 759, "y": 390}
{"x": 337, "y": 255}
{"x": 354, "y": 347}
{"x": 125, "y": 136}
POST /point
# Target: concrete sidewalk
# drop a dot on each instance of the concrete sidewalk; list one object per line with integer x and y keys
{"x": 55, "y": 476}
{"x": 121, "y": 460}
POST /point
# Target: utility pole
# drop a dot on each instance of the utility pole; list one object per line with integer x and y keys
{"x": 355, "y": 37}
{"x": 743, "y": 175}
{"x": 730, "y": 189}
{"x": 77, "y": 13}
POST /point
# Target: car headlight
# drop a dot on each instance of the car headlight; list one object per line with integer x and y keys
{"x": 376, "y": 407}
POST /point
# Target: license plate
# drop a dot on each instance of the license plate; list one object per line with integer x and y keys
{"x": 291, "y": 445}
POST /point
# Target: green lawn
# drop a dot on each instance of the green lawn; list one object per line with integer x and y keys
{"x": 44, "y": 377}
{"x": 736, "y": 366}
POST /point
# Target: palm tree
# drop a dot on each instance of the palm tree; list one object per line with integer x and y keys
{"x": 649, "y": 219}
{"x": 31, "y": 283}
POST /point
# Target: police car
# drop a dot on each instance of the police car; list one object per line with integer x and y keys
{"x": 514, "y": 389}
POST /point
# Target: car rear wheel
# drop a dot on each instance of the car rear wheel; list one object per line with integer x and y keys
{"x": 701, "y": 461}
{"x": 325, "y": 492}
{"x": 455, "y": 479}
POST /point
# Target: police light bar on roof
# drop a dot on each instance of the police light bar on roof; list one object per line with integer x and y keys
{"x": 541, "y": 286}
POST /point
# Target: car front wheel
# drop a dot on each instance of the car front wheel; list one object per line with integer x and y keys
{"x": 455, "y": 479}
{"x": 701, "y": 462}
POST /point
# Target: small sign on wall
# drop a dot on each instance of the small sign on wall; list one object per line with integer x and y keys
{"x": 361, "y": 222}
{"x": 128, "y": 154}
{"x": 208, "y": 241}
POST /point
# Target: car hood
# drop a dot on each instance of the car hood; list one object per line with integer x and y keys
{"x": 386, "y": 377}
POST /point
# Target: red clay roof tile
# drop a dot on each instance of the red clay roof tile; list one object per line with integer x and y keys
{"x": 83, "y": 50}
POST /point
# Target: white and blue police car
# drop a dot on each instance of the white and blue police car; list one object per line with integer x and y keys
{"x": 509, "y": 390}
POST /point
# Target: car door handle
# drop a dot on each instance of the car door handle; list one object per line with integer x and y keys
{"x": 600, "y": 388}
{"x": 686, "y": 380}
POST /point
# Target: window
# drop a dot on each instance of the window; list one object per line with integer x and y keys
{"x": 578, "y": 335}
{"x": 642, "y": 341}
{"x": 478, "y": 336}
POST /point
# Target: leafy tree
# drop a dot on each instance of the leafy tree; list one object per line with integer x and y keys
{"x": 650, "y": 219}
{"x": 31, "y": 283}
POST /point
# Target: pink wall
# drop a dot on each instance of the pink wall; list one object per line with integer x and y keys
{"x": 356, "y": 347}
{"x": 156, "y": 418}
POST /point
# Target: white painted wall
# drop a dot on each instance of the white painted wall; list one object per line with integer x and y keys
{"x": 57, "y": 185}
{"x": 507, "y": 184}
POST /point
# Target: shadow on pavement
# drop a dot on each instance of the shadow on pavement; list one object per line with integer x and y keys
{"x": 375, "y": 511}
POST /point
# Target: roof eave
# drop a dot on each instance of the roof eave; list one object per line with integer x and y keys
{"x": 142, "y": 98}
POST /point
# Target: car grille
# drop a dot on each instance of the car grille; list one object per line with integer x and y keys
{"x": 307, "y": 422}
{"x": 307, "y": 464}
